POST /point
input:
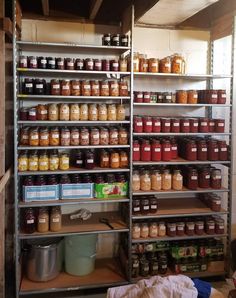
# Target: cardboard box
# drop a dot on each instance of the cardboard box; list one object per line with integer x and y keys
{"x": 111, "y": 190}
{"x": 40, "y": 193}
{"x": 77, "y": 191}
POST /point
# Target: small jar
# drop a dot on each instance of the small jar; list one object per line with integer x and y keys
{"x": 111, "y": 112}
{"x": 167, "y": 97}
{"x": 113, "y": 88}
{"x": 124, "y": 40}
{"x": 83, "y": 112}
{"x": 43, "y": 220}
{"x": 210, "y": 227}
{"x": 138, "y": 124}
{"x": 34, "y": 136}
{"x": 156, "y": 150}
{"x": 102, "y": 112}
{"x": 192, "y": 97}
{"x": 171, "y": 229}
{"x": 74, "y": 112}
{"x": 23, "y": 62}
{"x": 105, "y": 65}
{"x": 182, "y": 96}
{"x": 114, "y": 65}
{"x": 221, "y": 96}
{"x": 23, "y": 162}
{"x": 136, "y": 185}
{"x": 123, "y": 136}
{"x": 55, "y": 219}
{"x": 219, "y": 226}
{"x": 95, "y": 88}
{"x": 32, "y": 62}
{"x": 145, "y": 150}
{"x": 166, "y": 180}
{"x": 180, "y": 228}
{"x": 192, "y": 179}
{"x": 175, "y": 125}
{"x": 191, "y": 150}
{"x": 185, "y": 125}
{"x": 85, "y": 88}
{"x": 74, "y": 137}
{"x": 29, "y": 221}
{"x": 44, "y": 137}
{"x": 64, "y": 162}
{"x": 202, "y": 150}
{"x": 84, "y": 137}
{"x": 153, "y": 230}
{"x": 60, "y": 63}
{"x": 156, "y": 180}
{"x": 136, "y": 62}
{"x": 89, "y": 64}
{"x": 165, "y": 125}
{"x": 54, "y": 137}
{"x": 199, "y": 227}
{"x": 211, "y": 96}
{"x": 219, "y": 125}
{"x": 138, "y": 96}
{"x": 115, "y": 160}
{"x": 104, "y": 136}
{"x": 145, "y": 181}
{"x": 39, "y": 86}
{"x": 159, "y": 97}
{"x": 153, "y": 205}
{"x": 166, "y": 150}
{"x": 33, "y": 164}
{"x": 79, "y": 64}
{"x": 69, "y": 63}
{"x": 193, "y": 125}
{"x": 144, "y": 230}
{"x": 177, "y": 180}
{"x": 216, "y": 179}
{"x": 223, "y": 150}
{"x": 94, "y": 137}
{"x": 43, "y": 161}
{"x": 53, "y": 161}
{"x": 153, "y": 65}
{"x": 75, "y": 88}
{"x": 64, "y": 112}
{"x": 136, "y": 151}
{"x": 93, "y": 112}
{"x": 136, "y": 231}
{"x": 123, "y": 88}
{"x": 24, "y": 136}
{"x": 42, "y": 62}
{"x": 53, "y": 112}
{"x": 51, "y": 63}
{"x": 65, "y": 88}
{"x": 124, "y": 161}
{"x": 115, "y": 40}
{"x": 42, "y": 112}
{"x": 147, "y": 124}
{"x": 190, "y": 228}
{"x": 204, "y": 178}
{"x": 32, "y": 116}
{"x": 104, "y": 88}
{"x": 165, "y": 65}
{"x": 104, "y": 159}
{"x": 55, "y": 87}
{"x": 28, "y": 87}
{"x": 162, "y": 229}
{"x": 156, "y": 124}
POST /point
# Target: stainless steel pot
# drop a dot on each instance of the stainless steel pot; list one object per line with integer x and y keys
{"x": 44, "y": 259}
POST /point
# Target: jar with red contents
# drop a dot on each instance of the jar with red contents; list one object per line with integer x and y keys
{"x": 147, "y": 124}
{"x": 145, "y": 150}
{"x": 24, "y": 113}
{"x": 211, "y": 96}
{"x": 105, "y": 65}
{"x": 202, "y": 150}
{"x": 138, "y": 124}
{"x": 193, "y": 122}
{"x": 211, "y": 127}
{"x": 165, "y": 125}
{"x": 114, "y": 65}
{"x": 32, "y": 115}
{"x": 219, "y": 226}
{"x": 219, "y": 125}
{"x": 147, "y": 97}
{"x": 213, "y": 150}
{"x": 97, "y": 65}
{"x": 166, "y": 150}
{"x": 221, "y": 96}
{"x": 174, "y": 149}
{"x": 136, "y": 150}
{"x": 216, "y": 179}
{"x": 223, "y": 150}
{"x": 156, "y": 150}
{"x": 185, "y": 125}
{"x": 192, "y": 179}
{"x": 191, "y": 150}
{"x": 203, "y": 125}
{"x": 138, "y": 96}
{"x": 204, "y": 177}
{"x": 156, "y": 124}
{"x": 175, "y": 125}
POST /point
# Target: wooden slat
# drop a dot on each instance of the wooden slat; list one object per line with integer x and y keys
{"x": 222, "y": 26}
{"x": 45, "y": 6}
{"x": 141, "y": 7}
{"x": 94, "y": 8}
{"x": 5, "y": 179}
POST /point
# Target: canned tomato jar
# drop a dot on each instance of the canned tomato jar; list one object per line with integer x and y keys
{"x": 175, "y": 125}
{"x": 165, "y": 125}
{"x": 211, "y": 125}
{"x": 145, "y": 150}
{"x": 221, "y": 96}
{"x": 136, "y": 150}
{"x": 203, "y": 125}
{"x": 156, "y": 124}
{"x": 166, "y": 150}
{"x": 147, "y": 124}
{"x": 138, "y": 124}
{"x": 193, "y": 122}
{"x": 184, "y": 125}
{"x": 147, "y": 97}
{"x": 156, "y": 150}
{"x": 219, "y": 125}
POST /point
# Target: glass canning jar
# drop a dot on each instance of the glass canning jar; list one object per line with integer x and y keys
{"x": 42, "y": 112}
{"x": 84, "y": 136}
{"x": 64, "y": 161}
{"x": 182, "y": 96}
{"x": 156, "y": 150}
{"x": 193, "y": 125}
{"x": 115, "y": 160}
{"x": 89, "y": 64}
{"x": 191, "y": 150}
{"x": 136, "y": 150}
{"x": 60, "y": 63}
{"x": 223, "y": 150}
{"x": 145, "y": 150}
{"x": 204, "y": 178}
{"x": 28, "y": 86}
{"x": 53, "y": 161}
{"x": 97, "y": 65}
{"x": 210, "y": 227}
{"x": 136, "y": 184}
{"x": 156, "y": 180}
{"x": 113, "y": 136}
{"x": 146, "y": 97}
{"x": 165, "y": 65}
{"x": 75, "y": 88}
{"x": 177, "y": 180}
{"x": 104, "y": 136}
{"x": 199, "y": 227}
{"x": 145, "y": 181}
{"x": 43, "y": 136}
{"x": 221, "y": 96}
{"x": 85, "y": 88}
{"x": 74, "y": 137}
{"x": 113, "y": 88}
{"x": 23, "y": 62}
{"x": 138, "y": 96}
{"x": 136, "y": 231}
{"x": 203, "y": 125}
{"x": 124, "y": 40}
{"x": 55, "y": 219}
{"x": 65, "y": 88}
{"x": 114, "y": 65}
{"x": 29, "y": 221}
{"x": 138, "y": 124}
{"x": 216, "y": 179}
{"x": 153, "y": 204}
{"x": 124, "y": 161}
{"x": 180, "y": 227}
{"x": 55, "y": 87}
{"x": 79, "y": 64}
{"x": 190, "y": 228}
{"x": 143, "y": 65}
{"x": 175, "y": 125}
{"x": 202, "y": 150}
{"x": 34, "y": 136}
{"x": 104, "y": 159}
{"x": 84, "y": 112}
{"x": 123, "y": 88}
{"x": 43, "y": 161}
{"x": 153, "y": 65}
{"x": 166, "y": 180}
{"x": 123, "y": 136}
{"x": 105, "y": 65}
{"x": 166, "y": 150}
{"x": 147, "y": 124}
{"x": 192, "y": 179}
{"x": 23, "y": 162}
{"x": 104, "y": 88}
{"x": 171, "y": 229}
{"x": 65, "y": 137}
{"x": 102, "y": 112}
{"x": 51, "y": 63}
{"x": 33, "y": 163}
{"x": 111, "y": 112}
{"x": 120, "y": 112}
{"x": 70, "y": 63}
{"x": 156, "y": 124}
{"x": 32, "y": 62}
{"x": 53, "y": 112}
{"x": 212, "y": 125}
{"x": 219, "y": 226}
{"x": 79, "y": 159}
{"x": 145, "y": 205}
{"x": 165, "y": 125}
{"x": 95, "y": 88}
{"x": 94, "y": 136}
{"x": 23, "y": 113}
{"x": 64, "y": 112}
{"x": 24, "y": 136}
{"x": 74, "y": 112}
{"x": 178, "y": 64}
{"x": 136, "y": 62}
{"x": 54, "y": 137}
{"x": 93, "y": 112}
{"x": 192, "y": 96}
{"x": 213, "y": 150}
{"x": 219, "y": 125}
{"x": 185, "y": 125}
{"x": 32, "y": 114}
{"x": 123, "y": 64}
{"x": 174, "y": 149}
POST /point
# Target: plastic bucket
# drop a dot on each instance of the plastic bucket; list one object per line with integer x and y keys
{"x": 80, "y": 254}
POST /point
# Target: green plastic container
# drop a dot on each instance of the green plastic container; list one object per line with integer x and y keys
{"x": 80, "y": 254}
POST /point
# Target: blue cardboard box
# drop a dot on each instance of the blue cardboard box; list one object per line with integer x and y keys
{"x": 40, "y": 193}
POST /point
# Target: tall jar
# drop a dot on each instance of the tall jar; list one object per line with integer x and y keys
{"x": 42, "y": 112}
{"x": 185, "y": 125}
{"x": 178, "y": 64}
{"x": 24, "y": 136}
{"x": 143, "y": 65}
{"x": 104, "y": 88}
{"x": 44, "y": 136}
{"x": 95, "y": 88}
{"x": 65, "y": 137}
{"x": 156, "y": 180}
{"x": 64, "y": 112}
{"x": 84, "y": 136}
{"x": 192, "y": 179}
{"x": 216, "y": 179}
{"x": 74, "y": 137}
{"x": 174, "y": 149}
{"x": 89, "y": 161}
{"x": 113, "y": 136}
{"x": 166, "y": 150}
{"x": 74, "y": 112}
{"x": 145, "y": 181}
{"x": 153, "y": 65}
{"x": 94, "y": 136}
{"x": 53, "y": 112}
{"x": 123, "y": 64}
{"x": 165, "y": 125}
{"x": 113, "y": 88}
{"x": 177, "y": 180}
{"x": 93, "y": 112}
{"x": 204, "y": 178}
{"x": 43, "y": 220}
{"x": 115, "y": 160}
{"x": 54, "y": 137}
{"x": 23, "y": 162}
{"x": 147, "y": 124}
{"x": 213, "y": 150}
{"x": 182, "y": 96}
{"x": 136, "y": 151}
{"x": 124, "y": 161}
{"x": 203, "y": 125}
{"x": 223, "y": 150}
{"x": 102, "y": 112}
{"x": 55, "y": 87}
{"x": 85, "y": 88}
{"x": 104, "y": 159}
{"x": 192, "y": 97}
{"x": 64, "y": 161}
{"x": 104, "y": 136}
{"x": 33, "y": 164}
{"x": 166, "y": 180}
{"x": 202, "y": 150}
{"x": 136, "y": 183}
{"x": 165, "y": 65}
{"x": 138, "y": 124}
{"x": 84, "y": 112}
{"x": 156, "y": 124}
{"x": 175, "y": 125}
{"x": 136, "y": 62}
{"x": 193, "y": 125}
{"x": 29, "y": 221}
{"x": 156, "y": 150}
{"x": 145, "y": 150}
{"x": 34, "y": 136}
{"x": 75, "y": 88}
{"x": 123, "y": 136}
{"x": 55, "y": 219}
{"x": 53, "y": 161}
{"x": 65, "y": 88}
{"x": 123, "y": 88}
{"x": 111, "y": 112}
{"x": 191, "y": 150}
{"x": 120, "y": 112}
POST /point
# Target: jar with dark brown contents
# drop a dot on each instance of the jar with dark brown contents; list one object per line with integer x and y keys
{"x": 89, "y": 64}
{"x": 199, "y": 227}
{"x": 192, "y": 179}
{"x": 79, "y": 64}
{"x": 75, "y": 88}
{"x": 189, "y": 228}
{"x": 32, "y": 62}
{"x": 180, "y": 226}
{"x": 204, "y": 178}
{"x": 210, "y": 227}
{"x": 97, "y": 65}
{"x": 106, "y": 65}
{"x": 171, "y": 229}
{"x": 95, "y": 88}
{"x": 55, "y": 87}
{"x": 24, "y": 136}
{"x": 220, "y": 226}
{"x": 114, "y": 65}
{"x": 60, "y": 63}
{"x": 42, "y": 62}
{"x": 51, "y": 63}
{"x": 115, "y": 40}
{"x": 39, "y": 86}
{"x": 85, "y": 88}
{"x": 213, "y": 150}
{"x": 124, "y": 40}
{"x": 65, "y": 88}
{"x": 28, "y": 86}
{"x": 70, "y": 63}
{"x": 153, "y": 205}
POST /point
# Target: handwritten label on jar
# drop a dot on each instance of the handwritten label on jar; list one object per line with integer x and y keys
{"x": 149, "y": 123}
{"x": 65, "y": 87}
{"x": 75, "y": 87}
{"x": 42, "y": 220}
{"x": 147, "y": 179}
{"x": 186, "y": 124}
{"x": 167, "y": 64}
{"x": 167, "y": 124}
{"x": 104, "y": 87}
{"x": 115, "y": 64}
{"x": 33, "y": 163}
{"x": 216, "y": 150}
{"x": 146, "y": 96}
{"x": 80, "y": 64}
{"x": 157, "y": 124}
{"x": 27, "y": 137}
{"x": 223, "y": 149}
{"x": 28, "y": 85}
{"x": 114, "y": 86}
{"x": 52, "y": 62}
{"x": 98, "y": 64}
{"x": 43, "y": 112}
{"x": 136, "y": 149}
{"x": 39, "y": 86}
{"x": 44, "y": 137}
{"x": 85, "y": 137}
{"x": 124, "y": 159}
{"x": 115, "y": 160}
{"x": 75, "y": 136}
{"x": 56, "y": 86}
{"x": 180, "y": 228}
{"x": 55, "y": 219}
{"x": 174, "y": 148}
{"x": 105, "y": 159}
{"x": 176, "y": 124}
{"x": 194, "y": 150}
{"x": 65, "y": 161}
{"x": 220, "y": 124}
{"x": 86, "y": 87}
{"x": 60, "y": 63}
{"x": 95, "y": 87}
{"x": 34, "y": 137}
{"x": 139, "y": 124}
{"x": 70, "y": 64}
{"x": 157, "y": 149}
{"x": 23, "y": 162}
{"x": 146, "y": 207}
{"x": 114, "y": 135}
{"x": 136, "y": 178}
{"x": 53, "y": 161}
{"x": 65, "y": 136}
{"x": 191, "y": 227}
{"x": 30, "y": 221}
{"x": 214, "y": 96}
{"x": 95, "y": 136}
{"x": 23, "y": 60}
{"x": 90, "y": 63}
{"x": 146, "y": 149}
{"x": 167, "y": 149}
{"x": 139, "y": 96}
{"x": 55, "y": 135}
{"x": 79, "y": 162}
{"x": 33, "y": 61}
{"x": 124, "y": 87}
{"x": 172, "y": 229}
{"x": 153, "y": 206}
{"x": 195, "y": 124}
{"x": 193, "y": 177}
{"x": 195, "y": 96}
{"x": 207, "y": 177}
{"x": 212, "y": 123}
{"x": 203, "y": 123}
{"x": 216, "y": 177}
{"x": 204, "y": 149}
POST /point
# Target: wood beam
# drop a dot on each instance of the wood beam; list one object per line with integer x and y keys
{"x": 94, "y": 8}
{"x": 5, "y": 178}
{"x": 141, "y": 7}
{"x": 45, "y": 6}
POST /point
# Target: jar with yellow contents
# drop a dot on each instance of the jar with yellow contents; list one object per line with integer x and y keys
{"x": 23, "y": 162}
{"x": 34, "y": 136}
{"x": 84, "y": 112}
{"x": 74, "y": 112}
{"x": 54, "y": 161}
{"x": 115, "y": 160}
{"x": 93, "y": 112}
{"x": 64, "y": 161}
{"x": 54, "y": 136}
{"x": 33, "y": 161}
{"x": 43, "y": 161}
{"x": 102, "y": 112}
{"x": 111, "y": 112}
{"x": 64, "y": 112}
{"x": 43, "y": 136}
{"x": 53, "y": 112}
{"x": 120, "y": 112}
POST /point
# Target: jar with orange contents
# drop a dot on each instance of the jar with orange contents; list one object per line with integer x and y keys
{"x": 192, "y": 97}
{"x": 153, "y": 65}
{"x": 24, "y": 136}
{"x": 114, "y": 88}
{"x": 42, "y": 112}
{"x": 104, "y": 159}
{"x": 43, "y": 136}
{"x": 124, "y": 159}
{"x": 178, "y": 64}
{"x": 115, "y": 160}
{"x": 123, "y": 88}
{"x": 120, "y": 112}
{"x": 143, "y": 64}
{"x": 182, "y": 96}
{"x": 104, "y": 88}
{"x": 34, "y": 136}
{"x": 65, "y": 88}
{"x": 95, "y": 88}
{"x": 165, "y": 65}
{"x": 85, "y": 88}
{"x": 75, "y": 88}
{"x": 54, "y": 137}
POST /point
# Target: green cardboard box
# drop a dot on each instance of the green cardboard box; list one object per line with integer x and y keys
{"x": 111, "y": 190}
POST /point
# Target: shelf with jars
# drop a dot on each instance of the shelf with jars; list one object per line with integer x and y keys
{"x": 70, "y": 97}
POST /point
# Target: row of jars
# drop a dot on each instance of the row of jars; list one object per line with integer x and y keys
{"x": 52, "y": 161}
{"x": 61, "y": 63}
{"x": 188, "y": 227}
{"x": 43, "y": 136}
{"x": 190, "y": 149}
{"x": 152, "y": 264}
{"x": 176, "y": 125}
{"x": 74, "y": 112}
{"x": 170, "y": 64}
{"x": 115, "y": 40}
{"x": 41, "y": 180}
{"x": 191, "y": 178}
{"x": 42, "y": 220}
{"x": 75, "y": 87}
{"x": 209, "y": 96}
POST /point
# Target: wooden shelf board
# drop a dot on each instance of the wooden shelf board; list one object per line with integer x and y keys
{"x": 78, "y": 226}
{"x": 107, "y": 272}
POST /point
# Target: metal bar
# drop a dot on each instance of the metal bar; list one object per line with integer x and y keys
{"x": 72, "y": 122}
{"x": 183, "y": 76}
{"x": 146, "y": 193}
{"x": 71, "y": 147}
{"x": 178, "y": 162}
{"x": 198, "y": 105}
{"x": 161, "y": 134}
{"x": 27, "y": 96}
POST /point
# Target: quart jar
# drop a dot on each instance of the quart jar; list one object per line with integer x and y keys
{"x": 34, "y": 136}
{"x": 24, "y": 113}
{"x": 156, "y": 180}
{"x": 95, "y": 88}
{"x": 178, "y": 64}
{"x": 85, "y": 88}
{"x": 210, "y": 227}
{"x": 223, "y": 150}
{"x": 106, "y": 39}
{"x": 165, "y": 65}
{"x": 114, "y": 65}
{"x": 75, "y": 88}
{"x": 211, "y": 127}
{"x": 143, "y": 65}
{"x": 144, "y": 230}
{"x": 115, "y": 40}
{"x": 89, "y": 64}
{"x": 145, "y": 150}
{"x": 29, "y": 221}
{"x": 182, "y": 96}
{"x": 175, "y": 125}
{"x": 104, "y": 136}
{"x": 113, "y": 136}
{"x": 166, "y": 180}
{"x": 89, "y": 161}
{"x": 153, "y": 230}
{"x": 93, "y": 112}
{"x": 123, "y": 88}
{"x": 177, "y": 180}
{"x": 55, "y": 87}
{"x": 156, "y": 124}
{"x": 53, "y": 112}
{"x": 124, "y": 40}
{"x": 84, "y": 112}
{"x": 70, "y": 63}
{"x": 166, "y": 150}
{"x": 23, "y": 162}
{"x": 203, "y": 125}
{"x": 53, "y": 161}
{"x": 39, "y": 86}
{"x": 79, "y": 64}
{"x": 105, "y": 65}
{"x": 97, "y": 65}
{"x": 138, "y": 124}
{"x": 162, "y": 229}
{"x": 28, "y": 86}
{"x": 65, "y": 88}
{"x": 113, "y": 88}
{"x": 74, "y": 136}
{"x": 60, "y": 63}
{"x": 167, "y": 97}
{"x": 32, "y": 62}
{"x": 24, "y": 136}
{"x": 123, "y": 136}
{"x": 136, "y": 185}
{"x": 64, "y": 112}
{"x": 136, "y": 62}
{"x": 135, "y": 266}
{"x": 33, "y": 164}
{"x": 199, "y": 227}
{"x": 216, "y": 179}
{"x": 165, "y": 125}
{"x": 55, "y": 219}
{"x": 94, "y": 136}
{"x": 74, "y": 112}
{"x": 42, "y": 112}
{"x": 145, "y": 181}
{"x": 43, "y": 136}
{"x": 111, "y": 112}
{"x": 147, "y": 124}
{"x": 136, "y": 150}
{"x": 191, "y": 150}
{"x": 174, "y": 149}
{"x": 171, "y": 229}
{"x": 146, "y": 97}
{"x": 153, "y": 65}
{"x": 219, "y": 125}
{"x": 64, "y": 161}
{"x": 102, "y": 112}
{"x": 202, "y": 150}
{"x": 221, "y": 96}
{"x": 153, "y": 204}
{"x": 213, "y": 150}
{"x": 84, "y": 136}
{"x": 156, "y": 150}
{"x": 23, "y": 62}
{"x": 215, "y": 204}
{"x": 51, "y": 63}
{"x": 136, "y": 231}
{"x": 180, "y": 227}
{"x": 185, "y": 125}
{"x": 189, "y": 228}
{"x": 54, "y": 137}
{"x": 32, "y": 114}
{"x": 124, "y": 162}
{"x": 123, "y": 64}
{"x": 104, "y": 159}
{"x": 104, "y": 88}
{"x": 220, "y": 226}
{"x": 42, "y": 62}
{"x": 145, "y": 205}
{"x": 43, "y": 161}
{"x": 193, "y": 125}
{"x": 204, "y": 178}
{"x": 79, "y": 159}
{"x": 65, "y": 137}
{"x": 192, "y": 97}
{"x": 115, "y": 160}
{"x": 192, "y": 179}
{"x": 138, "y": 96}
{"x": 120, "y": 112}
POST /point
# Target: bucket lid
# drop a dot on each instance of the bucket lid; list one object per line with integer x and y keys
{"x": 43, "y": 243}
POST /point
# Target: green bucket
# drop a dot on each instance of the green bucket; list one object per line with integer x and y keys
{"x": 80, "y": 254}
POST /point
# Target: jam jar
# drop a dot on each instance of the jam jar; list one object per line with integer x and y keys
{"x": 105, "y": 65}
{"x": 145, "y": 182}
{"x": 190, "y": 228}
{"x": 175, "y": 125}
{"x": 213, "y": 150}
{"x": 94, "y": 136}
{"x": 203, "y": 125}
{"x": 165, "y": 125}
{"x": 29, "y": 224}
{"x": 191, "y": 150}
{"x": 215, "y": 203}
{"x": 42, "y": 62}
{"x": 65, "y": 88}
{"x": 192, "y": 179}
{"x": 42, "y": 112}
{"x": 114, "y": 65}
{"x": 182, "y": 96}
{"x": 166, "y": 150}
{"x": 69, "y": 63}
{"x": 153, "y": 204}
{"x": 219, "y": 125}
{"x": 79, "y": 64}
{"x": 220, "y": 226}
{"x": 85, "y": 88}
{"x": 146, "y": 97}
{"x": 174, "y": 149}
{"x": 216, "y": 179}
{"x": 210, "y": 227}
{"x": 32, "y": 114}
{"x": 60, "y": 63}
{"x": 138, "y": 124}
{"x": 23, "y": 62}
{"x": 193, "y": 125}
{"x": 156, "y": 124}
{"x": 185, "y": 125}
{"x": 28, "y": 86}
{"x": 39, "y": 86}
{"x": 221, "y": 96}
{"x": 156, "y": 150}
{"x": 202, "y": 150}
{"x": 138, "y": 96}
{"x": 89, "y": 64}
{"x": 145, "y": 205}
{"x": 180, "y": 227}
{"x": 223, "y": 150}
{"x": 24, "y": 136}
{"x": 211, "y": 127}
{"x": 95, "y": 88}
{"x": 124, "y": 40}
{"x": 199, "y": 227}
{"x": 136, "y": 150}
{"x": 153, "y": 65}
{"x": 204, "y": 177}
{"x": 24, "y": 113}
{"x": 32, "y": 62}
{"x": 145, "y": 150}
{"x": 104, "y": 88}
{"x": 75, "y": 88}
{"x": 55, "y": 87}
{"x": 147, "y": 124}
{"x": 51, "y": 63}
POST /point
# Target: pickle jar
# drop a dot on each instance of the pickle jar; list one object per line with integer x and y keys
{"x": 120, "y": 112}
{"x": 178, "y": 64}
{"x": 145, "y": 181}
{"x": 75, "y": 88}
{"x": 74, "y": 112}
{"x": 64, "y": 113}
{"x": 24, "y": 136}
{"x": 53, "y": 112}
{"x": 55, "y": 87}
{"x": 74, "y": 136}
{"x": 65, "y": 88}
{"x": 136, "y": 186}
{"x": 111, "y": 112}
{"x": 64, "y": 161}
{"x": 95, "y": 88}
{"x": 85, "y": 88}
{"x": 43, "y": 161}
{"x": 124, "y": 159}
{"x": 33, "y": 161}
{"x": 53, "y": 161}
{"x": 34, "y": 136}
{"x": 23, "y": 162}
{"x": 54, "y": 137}
{"x": 93, "y": 112}
{"x": 84, "y": 112}
{"x": 102, "y": 112}
{"x": 44, "y": 136}
{"x": 177, "y": 180}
